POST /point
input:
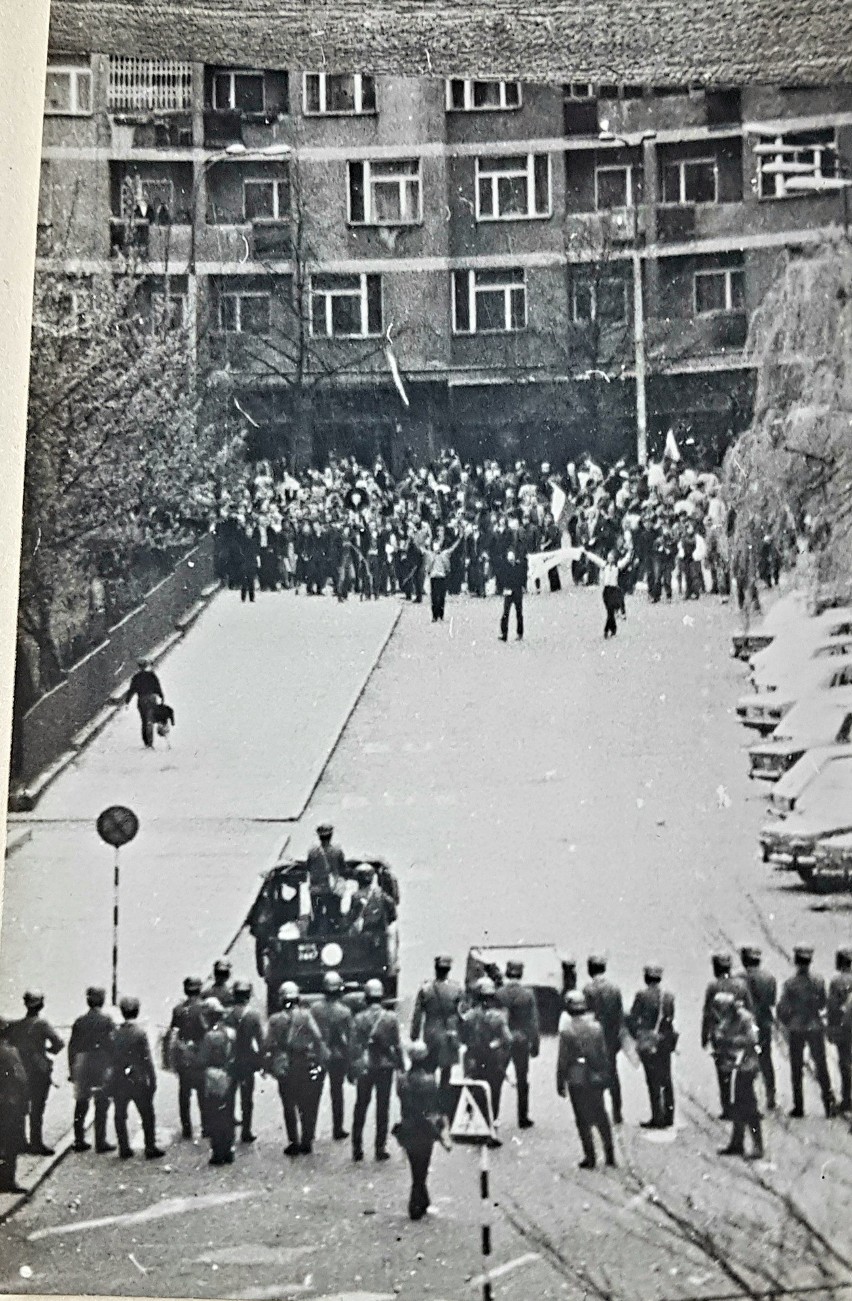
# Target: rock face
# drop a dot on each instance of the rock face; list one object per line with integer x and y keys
{"x": 659, "y": 42}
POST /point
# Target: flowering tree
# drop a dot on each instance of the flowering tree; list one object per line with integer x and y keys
{"x": 115, "y": 458}
{"x": 791, "y": 473}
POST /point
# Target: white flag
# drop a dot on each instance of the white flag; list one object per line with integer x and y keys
{"x": 672, "y": 450}
{"x": 394, "y": 370}
{"x": 540, "y": 562}
{"x": 557, "y": 503}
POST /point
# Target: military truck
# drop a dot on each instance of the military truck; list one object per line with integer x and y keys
{"x": 292, "y": 944}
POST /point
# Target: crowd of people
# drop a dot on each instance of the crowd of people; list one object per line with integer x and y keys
{"x": 218, "y": 1041}
{"x": 471, "y": 527}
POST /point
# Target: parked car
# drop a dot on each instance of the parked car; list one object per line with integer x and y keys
{"x": 773, "y": 673}
{"x": 825, "y": 812}
{"x": 788, "y": 792}
{"x": 819, "y": 720}
{"x": 832, "y": 863}
{"x": 787, "y": 610}
{"x": 764, "y": 710}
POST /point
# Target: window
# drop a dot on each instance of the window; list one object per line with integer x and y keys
{"x": 603, "y": 300}
{"x": 719, "y": 291}
{"x": 489, "y": 302}
{"x": 385, "y": 193}
{"x": 266, "y": 199}
{"x": 149, "y": 84}
{"x": 616, "y": 187}
{"x": 346, "y": 306}
{"x": 244, "y": 313}
{"x": 803, "y": 153}
{"x": 691, "y": 180}
{"x": 463, "y": 93}
{"x": 171, "y": 309}
{"x": 147, "y": 198}
{"x": 327, "y": 92}
{"x": 512, "y": 188}
{"x": 580, "y": 90}
{"x": 241, "y": 92}
{"x": 68, "y": 91}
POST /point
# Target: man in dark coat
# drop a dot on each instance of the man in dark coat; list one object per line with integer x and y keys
{"x": 651, "y": 1023}
{"x": 335, "y": 1023}
{"x": 89, "y": 1070}
{"x": 422, "y": 1123}
{"x": 513, "y": 582}
{"x": 36, "y": 1042}
{"x": 217, "y": 1060}
{"x": 603, "y": 999}
{"x": 145, "y": 686}
{"x": 722, "y": 983}
{"x": 248, "y": 1026}
{"x": 488, "y": 1043}
{"x": 582, "y": 1071}
{"x": 520, "y": 1006}
{"x": 839, "y": 1024}
{"x": 375, "y": 1054}
{"x": 14, "y": 1101}
{"x": 295, "y": 1054}
{"x": 436, "y": 1016}
{"x": 762, "y": 988}
{"x": 180, "y": 1051}
{"x": 134, "y": 1079}
{"x": 326, "y": 864}
{"x": 801, "y": 1009}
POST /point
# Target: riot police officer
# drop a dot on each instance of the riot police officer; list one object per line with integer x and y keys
{"x": 36, "y": 1042}
{"x": 134, "y": 1080}
{"x": 180, "y": 1052}
{"x": 722, "y": 983}
{"x": 436, "y": 1015}
{"x": 245, "y": 1021}
{"x": 603, "y": 998}
{"x": 220, "y": 986}
{"x": 520, "y": 1006}
{"x": 738, "y": 1032}
{"x": 582, "y": 1071}
{"x": 839, "y": 1024}
{"x": 651, "y": 1023}
{"x": 335, "y": 1024}
{"x": 217, "y": 1061}
{"x": 375, "y": 1055}
{"x": 488, "y": 1043}
{"x": 295, "y": 1054}
{"x": 88, "y": 1070}
{"x": 763, "y": 990}
{"x": 801, "y": 1010}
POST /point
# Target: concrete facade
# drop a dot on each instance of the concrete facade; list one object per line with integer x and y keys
{"x": 499, "y": 230}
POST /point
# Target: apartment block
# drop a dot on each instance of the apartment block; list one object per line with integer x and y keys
{"x": 552, "y": 268}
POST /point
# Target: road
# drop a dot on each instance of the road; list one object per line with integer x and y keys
{"x": 559, "y": 790}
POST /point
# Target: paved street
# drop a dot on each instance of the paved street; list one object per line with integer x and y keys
{"x": 563, "y": 790}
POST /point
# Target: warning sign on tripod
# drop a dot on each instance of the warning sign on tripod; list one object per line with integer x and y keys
{"x": 472, "y": 1121}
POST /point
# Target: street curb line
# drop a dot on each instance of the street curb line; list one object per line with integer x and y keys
{"x": 365, "y": 682}
{"x": 276, "y": 858}
{"x": 43, "y": 1169}
{"x": 24, "y": 800}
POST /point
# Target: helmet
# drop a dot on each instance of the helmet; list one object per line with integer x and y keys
{"x": 374, "y": 990}
{"x": 575, "y": 1002}
{"x": 242, "y": 990}
{"x": 213, "y": 1009}
{"x": 485, "y": 987}
{"x": 222, "y": 967}
{"x": 34, "y": 998}
{"x": 129, "y": 1007}
{"x": 192, "y": 985}
{"x": 332, "y": 982}
{"x": 417, "y": 1053}
{"x": 289, "y": 992}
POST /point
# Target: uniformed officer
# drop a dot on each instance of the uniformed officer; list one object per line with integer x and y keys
{"x": 335, "y": 1024}
{"x": 839, "y": 1024}
{"x": 423, "y": 1121}
{"x": 603, "y": 999}
{"x": 89, "y": 1068}
{"x": 738, "y": 1029}
{"x": 36, "y": 1042}
{"x": 217, "y": 1061}
{"x": 220, "y": 986}
{"x": 582, "y": 1070}
{"x": 569, "y": 975}
{"x": 522, "y": 1011}
{"x": 436, "y": 1014}
{"x": 801, "y": 1010}
{"x": 248, "y": 1026}
{"x": 375, "y": 1054}
{"x": 722, "y": 983}
{"x": 295, "y": 1055}
{"x": 134, "y": 1079}
{"x": 180, "y": 1052}
{"x": 326, "y": 865}
{"x": 651, "y": 1024}
{"x": 488, "y": 1043}
{"x": 763, "y": 990}
{"x": 371, "y": 910}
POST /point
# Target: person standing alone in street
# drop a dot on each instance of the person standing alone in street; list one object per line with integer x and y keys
{"x": 514, "y": 580}
{"x": 603, "y": 999}
{"x": 519, "y": 1004}
{"x": 651, "y": 1024}
{"x": 88, "y": 1070}
{"x": 582, "y": 1072}
{"x": 36, "y": 1042}
{"x": 438, "y": 573}
{"x": 134, "y": 1079}
{"x": 801, "y": 1009}
{"x": 145, "y": 686}
{"x": 613, "y": 596}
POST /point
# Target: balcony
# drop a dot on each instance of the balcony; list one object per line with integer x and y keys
{"x": 593, "y": 232}
{"x": 133, "y": 131}
{"x": 149, "y": 242}
{"x": 673, "y": 342}
{"x": 710, "y": 109}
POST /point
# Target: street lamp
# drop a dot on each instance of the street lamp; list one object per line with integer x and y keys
{"x": 235, "y": 150}
{"x": 639, "y": 353}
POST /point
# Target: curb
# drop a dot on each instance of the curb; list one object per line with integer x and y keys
{"x": 24, "y": 799}
{"x": 322, "y": 765}
{"x": 12, "y": 1202}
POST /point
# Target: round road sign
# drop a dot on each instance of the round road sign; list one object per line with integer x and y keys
{"x": 117, "y": 825}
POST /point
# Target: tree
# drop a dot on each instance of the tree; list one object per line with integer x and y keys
{"x": 791, "y": 472}
{"x": 115, "y": 458}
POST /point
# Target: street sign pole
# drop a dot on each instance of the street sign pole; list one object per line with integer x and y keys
{"x": 473, "y": 1122}
{"x": 117, "y": 826}
{"x": 485, "y": 1198}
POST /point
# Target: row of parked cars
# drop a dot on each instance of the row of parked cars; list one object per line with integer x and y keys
{"x": 800, "y": 705}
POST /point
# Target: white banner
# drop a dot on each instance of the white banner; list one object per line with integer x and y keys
{"x": 541, "y": 561}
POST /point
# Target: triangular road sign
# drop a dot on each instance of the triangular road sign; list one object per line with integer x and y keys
{"x": 472, "y": 1115}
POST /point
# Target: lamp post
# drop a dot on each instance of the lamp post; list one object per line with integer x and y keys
{"x": 230, "y": 152}
{"x": 639, "y": 351}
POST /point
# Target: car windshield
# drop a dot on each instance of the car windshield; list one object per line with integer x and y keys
{"x": 817, "y": 719}
{"x": 830, "y": 794}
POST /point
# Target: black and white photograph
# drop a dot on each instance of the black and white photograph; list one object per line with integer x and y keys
{"x": 428, "y": 859}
